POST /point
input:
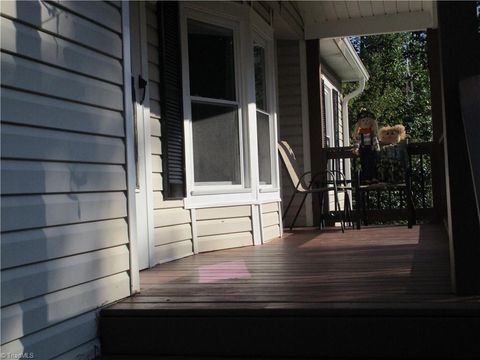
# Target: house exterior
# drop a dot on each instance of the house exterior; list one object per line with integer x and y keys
{"x": 339, "y": 63}
{"x": 138, "y": 133}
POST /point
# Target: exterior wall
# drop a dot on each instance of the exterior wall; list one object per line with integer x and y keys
{"x": 64, "y": 218}
{"x": 224, "y": 227}
{"x": 337, "y": 85}
{"x": 179, "y": 232}
{"x": 290, "y": 118}
{"x": 214, "y": 228}
{"x": 172, "y": 223}
{"x": 270, "y": 221}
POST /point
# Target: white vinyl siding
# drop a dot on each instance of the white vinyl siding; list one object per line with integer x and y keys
{"x": 290, "y": 118}
{"x": 224, "y": 227}
{"x": 270, "y": 221}
{"x": 172, "y": 223}
{"x": 64, "y": 245}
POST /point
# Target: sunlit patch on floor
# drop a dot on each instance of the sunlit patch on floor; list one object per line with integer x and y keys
{"x": 223, "y": 271}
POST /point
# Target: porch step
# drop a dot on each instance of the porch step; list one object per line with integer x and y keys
{"x": 308, "y": 330}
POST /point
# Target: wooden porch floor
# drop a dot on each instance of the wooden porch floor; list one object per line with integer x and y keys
{"x": 310, "y": 269}
{"x": 380, "y": 293}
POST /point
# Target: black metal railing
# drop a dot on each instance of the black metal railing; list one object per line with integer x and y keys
{"x": 387, "y": 205}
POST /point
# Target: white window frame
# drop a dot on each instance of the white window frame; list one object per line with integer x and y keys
{"x": 330, "y": 126}
{"x": 236, "y": 18}
{"x": 246, "y": 25}
{"x": 329, "y": 87}
{"x": 261, "y": 42}
{"x": 231, "y": 25}
{"x": 263, "y": 36}
{"x": 328, "y": 96}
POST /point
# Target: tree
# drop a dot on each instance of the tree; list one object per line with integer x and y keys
{"x": 398, "y": 91}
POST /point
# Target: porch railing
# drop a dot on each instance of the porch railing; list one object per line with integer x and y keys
{"x": 390, "y": 205}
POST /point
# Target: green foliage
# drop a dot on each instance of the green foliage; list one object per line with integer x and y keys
{"x": 398, "y": 91}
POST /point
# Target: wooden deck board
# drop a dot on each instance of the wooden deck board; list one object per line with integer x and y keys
{"x": 380, "y": 293}
{"x": 381, "y": 265}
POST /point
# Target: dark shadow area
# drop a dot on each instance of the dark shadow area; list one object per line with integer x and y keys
{"x": 431, "y": 261}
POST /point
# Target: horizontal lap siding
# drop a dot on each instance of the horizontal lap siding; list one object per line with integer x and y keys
{"x": 290, "y": 118}
{"x": 270, "y": 221}
{"x": 172, "y": 223}
{"x": 224, "y": 227}
{"x": 64, "y": 243}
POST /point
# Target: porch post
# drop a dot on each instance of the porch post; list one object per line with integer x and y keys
{"x": 314, "y": 86}
{"x": 460, "y": 59}
{"x": 438, "y": 158}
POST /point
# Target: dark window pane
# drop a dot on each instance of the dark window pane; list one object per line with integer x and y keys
{"x": 264, "y": 156}
{"x": 211, "y": 61}
{"x": 260, "y": 78}
{"x": 216, "y": 150}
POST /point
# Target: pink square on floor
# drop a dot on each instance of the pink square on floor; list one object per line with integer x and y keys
{"x": 223, "y": 271}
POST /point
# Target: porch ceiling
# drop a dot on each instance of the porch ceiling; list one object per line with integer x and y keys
{"x": 329, "y": 19}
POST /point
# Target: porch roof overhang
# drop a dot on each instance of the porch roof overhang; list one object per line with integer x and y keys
{"x": 333, "y": 19}
{"x": 340, "y": 56}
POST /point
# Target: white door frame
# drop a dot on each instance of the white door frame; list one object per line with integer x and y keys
{"x": 144, "y": 192}
{"x": 130, "y": 150}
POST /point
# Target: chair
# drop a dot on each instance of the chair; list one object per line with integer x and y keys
{"x": 300, "y": 185}
{"x": 403, "y": 185}
{"x": 344, "y": 186}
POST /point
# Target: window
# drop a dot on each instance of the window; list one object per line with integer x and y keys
{"x": 266, "y": 137}
{"x": 336, "y": 131}
{"x": 228, "y": 101}
{"x": 263, "y": 117}
{"x": 333, "y": 130}
{"x": 215, "y": 112}
{"x": 331, "y": 114}
{"x": 211, "y": 61}
{"x": 335, "y": 118}
{"x": 215, "y": 144}
{"x": 328, "y": 113}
